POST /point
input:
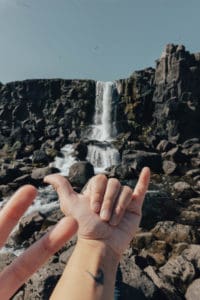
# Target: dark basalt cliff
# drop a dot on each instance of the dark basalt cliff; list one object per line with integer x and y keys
{"x": 163, "y": 102}
{"x": 166, "y": 101}
{"x": 33, "y": 111}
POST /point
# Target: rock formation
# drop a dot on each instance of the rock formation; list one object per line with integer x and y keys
{"x": 158, "y": 124}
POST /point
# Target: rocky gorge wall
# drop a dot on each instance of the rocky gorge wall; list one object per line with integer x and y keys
{"x": 158, "y": 123}
{"x": 34, "y": 111}
{"x": 163, "y": 101}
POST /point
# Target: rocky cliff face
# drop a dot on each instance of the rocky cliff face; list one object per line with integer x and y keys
{"x": 165, "y": 101}
{"x": 34, "y": 111}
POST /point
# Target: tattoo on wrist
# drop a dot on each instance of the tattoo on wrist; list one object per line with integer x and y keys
{"x": 99, "y": 278}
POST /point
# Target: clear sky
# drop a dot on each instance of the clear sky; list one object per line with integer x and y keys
{"x": 93, "y": 39}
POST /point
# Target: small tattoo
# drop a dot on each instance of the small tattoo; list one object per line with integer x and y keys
{"x": 99, "y": 278}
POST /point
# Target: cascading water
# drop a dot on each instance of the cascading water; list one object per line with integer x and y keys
{"x": 102, "y": 154}
{"x": 103, "y": 128}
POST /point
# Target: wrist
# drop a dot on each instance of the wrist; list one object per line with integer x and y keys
{"x": 99, "y": 248}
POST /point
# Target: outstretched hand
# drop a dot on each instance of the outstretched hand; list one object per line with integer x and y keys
{"x": 18, "y": 272}
{"x": 105, "y": 211}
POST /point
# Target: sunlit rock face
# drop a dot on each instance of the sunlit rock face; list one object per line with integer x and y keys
{"x": 177, "y": 94}
{"x": 164, "y": 101}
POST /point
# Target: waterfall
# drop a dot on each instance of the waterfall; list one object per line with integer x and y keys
{"x": 102, "y": 154}
{"x": 103, "y": 128}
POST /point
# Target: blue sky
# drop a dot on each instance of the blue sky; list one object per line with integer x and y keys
{"x": 93, "y": 39}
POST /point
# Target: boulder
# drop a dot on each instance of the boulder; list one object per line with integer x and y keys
{"x": 28, "y": 226}
{"x": 80, "y": 173}
{"x": 140, "y": 159}
{"x": 193, "y": 290}
{"x": 170, "y": 167}
{"x": 183, "y": 190}
{"x": 158, "y": 206}
{"x": 172, "y": 232}
{"x": 80, "y": 150}
{"x": 40, "y": 173}
{"x": 40, "y": 157}
{"x": 178, "y": 272}
{"x": 165, "y": 146}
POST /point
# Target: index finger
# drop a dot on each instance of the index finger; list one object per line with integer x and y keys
{"x": 14, "y": 209}
{"x": 25, "y": 265}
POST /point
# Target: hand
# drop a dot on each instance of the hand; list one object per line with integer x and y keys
{"x": 12, "y": 277}
{"x": 105, "y": 212}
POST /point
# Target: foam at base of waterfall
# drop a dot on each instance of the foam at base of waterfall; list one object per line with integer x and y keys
{"x": 65, "y": 162}
{"x": 102, "y": 158}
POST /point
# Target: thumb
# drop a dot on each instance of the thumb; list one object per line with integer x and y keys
{"x": 63, "y": 188}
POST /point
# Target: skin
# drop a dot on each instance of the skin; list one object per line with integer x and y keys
{"x": 108, "y": 216}
{"x": 18, "y": 272}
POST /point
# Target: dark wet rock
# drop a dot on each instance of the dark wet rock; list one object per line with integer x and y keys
{"x": 40, "y": 157}
{"x": 176, "y": 155}
{"x": 28, "y": 226}
{"x": 170, "y": 167}
{"x": 80, "y": 173}
{"x": 193, "y": 172}
{"x": 80, "y": 150}
{"x": 140, "y": 159}
{"x": 4, "y": 190}
{"x": 8, "y": 174}
{"x": 184, "y": 190}
{"x": 121, "y": 171}
{"x": 24, "y": 179}
{"x": 157, "y": 206}
{"x": 189, "y": 143}
{"x": 165, "y": 146}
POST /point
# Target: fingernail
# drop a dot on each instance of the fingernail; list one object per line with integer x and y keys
{"x": 105, "y": 215}
{"x": 96, "y": 207}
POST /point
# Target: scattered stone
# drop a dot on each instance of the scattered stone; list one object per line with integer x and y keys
{"x": 193, "y": 290}
{"x": 80, "y": 173}
{"x": 172, "y": 232}
{"x": 178, "y": 272}
{"x": 183, "y": 190}
{"x": 169, "y": 167}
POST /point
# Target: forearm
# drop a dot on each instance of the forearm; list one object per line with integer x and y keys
{"x": 90, "y": 273}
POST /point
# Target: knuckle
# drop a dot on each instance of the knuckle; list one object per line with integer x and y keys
{"x": 121, "y": 207}
{"x": 115, "y": 182}
{"x": 101, "y": 177}
{"x": 127, "y": 190}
